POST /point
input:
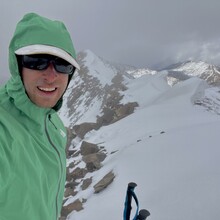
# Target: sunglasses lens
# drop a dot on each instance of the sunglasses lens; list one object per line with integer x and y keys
{"x": 42, "y": 61}
{"x": 34, "y": 62}
{"x": 63, "y": 66}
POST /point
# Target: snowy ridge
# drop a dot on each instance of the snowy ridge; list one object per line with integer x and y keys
{"x": 140, "y": 72}
{"x": 169, "y": 145}
{"x": 194, "y": 68}
{"x": 200, "y": 69}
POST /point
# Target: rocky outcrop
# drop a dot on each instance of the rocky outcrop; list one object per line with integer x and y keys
{"x": 82, "y": 129}
{"x": 92, "y": 155}
{"x": 66, "y": 210}
{"x": 110, "y": 115}
{"x": 104, "y": 182}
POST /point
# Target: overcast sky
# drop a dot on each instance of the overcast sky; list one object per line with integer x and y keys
{"x": 141, "y": 33}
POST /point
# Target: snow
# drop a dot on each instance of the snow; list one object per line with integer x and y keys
{"x": 97, "y": 67}
{"x": 193, "y": 67}
{"x": 140, "y": 72}
{"x": 168, "y": 146}
{"x": 196, "y": 68}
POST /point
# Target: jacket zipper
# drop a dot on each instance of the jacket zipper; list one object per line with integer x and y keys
{"x": 61, "y": 165}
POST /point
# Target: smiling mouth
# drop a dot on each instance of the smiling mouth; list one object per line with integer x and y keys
{"x": 47, "y": 89}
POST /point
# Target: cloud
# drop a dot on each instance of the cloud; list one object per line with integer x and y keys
{"x": 199, "y": 51}
{"x": 142, "y": 33}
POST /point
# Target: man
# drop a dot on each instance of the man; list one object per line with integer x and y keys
{"x": 42, "y": 61}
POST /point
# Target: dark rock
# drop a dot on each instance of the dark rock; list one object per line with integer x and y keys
{"x": 75, "y": 206}
{"x": 88, "y": 148}
{"x": 71, "y": 184}
{"x": 86, "y": 183}
{"x": 93, "y": 166}
{"x": 104, "y": 182}
{"x": 125, "y": 110}
{"x": 83, "y": 128}
{"x": 69, "y": 192}
{"x": 78, "y": 173}
{"x": 93, "y": 161}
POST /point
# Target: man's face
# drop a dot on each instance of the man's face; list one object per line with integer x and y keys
{"x": 44, "y": 87}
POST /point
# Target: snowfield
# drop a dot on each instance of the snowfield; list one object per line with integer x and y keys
{"x": 169, "y": 146}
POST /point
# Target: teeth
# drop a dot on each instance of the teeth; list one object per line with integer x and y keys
{"x": 47, "y": 89}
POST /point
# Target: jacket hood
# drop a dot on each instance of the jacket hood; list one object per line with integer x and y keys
{"x": 32, "y": 30}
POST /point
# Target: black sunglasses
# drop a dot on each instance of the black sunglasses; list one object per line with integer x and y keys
{"x": 42, "y": 61}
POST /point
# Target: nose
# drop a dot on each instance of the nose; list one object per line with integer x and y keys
{"x": 50, "y": 74}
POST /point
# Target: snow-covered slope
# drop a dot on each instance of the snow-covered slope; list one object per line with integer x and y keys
{"x": 169, "y": 146}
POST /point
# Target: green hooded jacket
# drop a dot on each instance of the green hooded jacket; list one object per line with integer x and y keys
{"x": 32, "y": 139}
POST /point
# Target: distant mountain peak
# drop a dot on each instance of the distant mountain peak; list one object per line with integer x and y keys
{"x": 181, "y": 71}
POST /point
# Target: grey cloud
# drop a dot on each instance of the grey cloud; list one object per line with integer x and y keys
{"x": 142, "y": 33}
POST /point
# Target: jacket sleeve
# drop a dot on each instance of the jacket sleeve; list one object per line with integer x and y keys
{"x": 5, "y": 161}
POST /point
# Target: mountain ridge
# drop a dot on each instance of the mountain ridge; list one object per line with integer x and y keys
{"x": 109, "y": 110}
